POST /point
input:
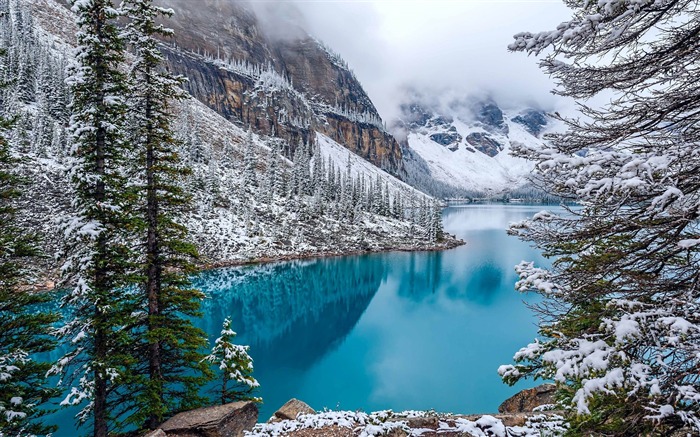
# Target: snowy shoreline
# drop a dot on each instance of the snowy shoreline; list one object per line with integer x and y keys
{"x": 49, "y": 278}
{"x": 450, "y": 242}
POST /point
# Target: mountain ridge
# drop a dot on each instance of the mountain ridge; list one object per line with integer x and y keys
{"x": 462, "y": 148}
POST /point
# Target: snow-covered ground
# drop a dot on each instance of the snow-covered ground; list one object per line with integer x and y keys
{"x": 410, "y": 423}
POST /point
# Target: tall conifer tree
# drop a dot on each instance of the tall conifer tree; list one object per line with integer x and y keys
{"x": 170, "y": 369}
{"x": 99, "y": 266}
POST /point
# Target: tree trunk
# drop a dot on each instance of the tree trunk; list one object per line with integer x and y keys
{"x": 100, "y": 400}
{"x": 153, "y": 269}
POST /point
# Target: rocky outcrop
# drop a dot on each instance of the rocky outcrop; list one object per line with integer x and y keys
{"x": 375, "y": 145}
{"x": 290, "y": 411}
{"x": 229, "y": 420}
{"x": 450, "y": 140}
{"x": 484, "y": 144}
{"x": 532, "y": 120}
{"x": 491, "y": 116}
{"x": 415, "y": 115}
{"x": 528, "y": 400}
{"x": 287, "y": 86}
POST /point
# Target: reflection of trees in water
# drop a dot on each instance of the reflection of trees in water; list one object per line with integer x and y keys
{"x": 485, "y": 284}
{"x": 422, "y": 275}
{"x": 295, "y": 311}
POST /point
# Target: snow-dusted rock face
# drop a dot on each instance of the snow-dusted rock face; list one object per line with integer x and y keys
{"x": 464, "y": 147}
{"x": 290, "y": 86}
{"x": 242, "y": 68}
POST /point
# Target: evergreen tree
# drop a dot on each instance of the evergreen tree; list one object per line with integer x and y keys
{"x": 273, "y": 174}
{"x": 297, "y": 163}
{"x": 250, "y": 179}
{"x": 25, "y": 326}
{"x": 621, "y": 323}
{"x": 397, "y": 207}
{"x": 99, "y": 267}
{"x": 26, "y": 73}
{"x": 305, "y": 186}
{"x": 235, "y": 366}
{"x": 169, "y": 372}
{"x": 436, "y": 230}
{"x": 227, "y": 155}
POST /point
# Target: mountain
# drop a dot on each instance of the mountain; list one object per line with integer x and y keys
{"x": 463, "y": 147}
{"x": 274, "y": 77}
{"x": 300, "y": 190}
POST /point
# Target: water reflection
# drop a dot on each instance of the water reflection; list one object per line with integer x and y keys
{"x": 399, "y": 330}
{"x": 291, "y": 314}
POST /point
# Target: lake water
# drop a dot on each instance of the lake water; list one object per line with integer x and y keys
{"x": 424, "y": 330}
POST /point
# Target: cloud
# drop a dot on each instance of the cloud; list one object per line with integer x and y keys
{"x": 279, "y": 19}
{"x": 438, "y": 46}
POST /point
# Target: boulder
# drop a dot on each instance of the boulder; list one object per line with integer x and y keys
{"x": 423, "y": 422}
{"x": 527, "y": 400}
{"x": 513, "y": 419}
{"x": 291, "y": 410}
{"x": 229, "y": 420}
{"x": 156, "y": 433}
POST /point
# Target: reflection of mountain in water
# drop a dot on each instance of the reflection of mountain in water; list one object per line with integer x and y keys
{"x": 294, "y": 312}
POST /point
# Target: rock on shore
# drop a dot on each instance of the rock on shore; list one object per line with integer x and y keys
{"x": 519, "y": 418}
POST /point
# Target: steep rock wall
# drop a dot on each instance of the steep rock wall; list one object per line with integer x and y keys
{"x": 318, "y": 92}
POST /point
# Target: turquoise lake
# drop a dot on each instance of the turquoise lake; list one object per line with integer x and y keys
{"x": 422, "y": 330}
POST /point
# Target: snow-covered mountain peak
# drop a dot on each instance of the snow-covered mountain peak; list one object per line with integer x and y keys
{"x": 463, "y": 145}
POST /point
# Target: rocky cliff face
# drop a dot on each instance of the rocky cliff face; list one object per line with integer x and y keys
{"x": 282, "y": 83}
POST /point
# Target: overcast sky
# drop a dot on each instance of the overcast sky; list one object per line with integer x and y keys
{"x": 457, "y": 45}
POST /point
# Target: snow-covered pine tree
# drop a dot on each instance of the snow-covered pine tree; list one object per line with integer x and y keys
{"x": 386, "y": 200}
{"x": 318, "y": 176}
{"x": 305, "y": 185}
{"x": 272, "y": 175}
{"x": 397, "y": 206}
{"x": 100, "y": 262}
{"x": 213, "y": 181}
{"x": 25, "y": 328}
{"x": 169, "y": 371}
{"x": 621, "y": 319}
{"x": 436, "y": 230}
{"x": 235, "y": 366}
{"x": 26, "y": 68}
{"x": 227, "y": 161}
{"x": 250, "y": 179}
{"x": 295, "y": 186}
{"x": 281, "y": 187}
